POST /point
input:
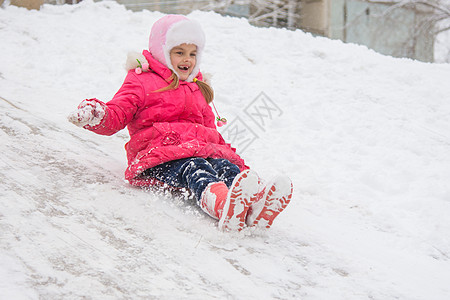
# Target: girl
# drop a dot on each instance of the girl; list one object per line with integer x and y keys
{"x": 174, "y": 142}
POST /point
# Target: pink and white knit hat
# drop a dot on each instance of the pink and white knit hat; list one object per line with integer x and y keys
{"x": 171, "y": 31}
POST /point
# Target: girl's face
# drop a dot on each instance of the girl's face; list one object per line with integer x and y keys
{"x": 183, "y": 59}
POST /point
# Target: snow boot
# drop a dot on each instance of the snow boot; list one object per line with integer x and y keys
{"x": 213, "y": 199}
{"x": 275, "y": 197}
{"x": 241, "y": 196}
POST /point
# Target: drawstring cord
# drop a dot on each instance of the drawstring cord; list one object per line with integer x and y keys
{"x": 220, "y": 121}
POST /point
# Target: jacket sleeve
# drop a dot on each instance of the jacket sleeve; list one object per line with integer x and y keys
{"x": 122, "y": 108}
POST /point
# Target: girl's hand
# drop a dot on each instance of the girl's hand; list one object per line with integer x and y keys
{"x": 89, "y": 112}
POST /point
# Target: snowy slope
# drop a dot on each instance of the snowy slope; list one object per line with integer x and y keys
{"x": 365, "y": 138}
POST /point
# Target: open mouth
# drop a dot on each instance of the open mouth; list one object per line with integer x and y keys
{"x": 183, "y": 68}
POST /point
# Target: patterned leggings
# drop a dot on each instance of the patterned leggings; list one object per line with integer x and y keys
{"x": 194, "y": 173}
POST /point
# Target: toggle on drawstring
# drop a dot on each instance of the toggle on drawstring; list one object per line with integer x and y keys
{"x": 220, "y": 121}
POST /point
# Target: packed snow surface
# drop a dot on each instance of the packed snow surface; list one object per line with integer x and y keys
{"x": 364, "y": 137}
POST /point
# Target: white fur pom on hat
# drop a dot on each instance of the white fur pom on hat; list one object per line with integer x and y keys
{"x": 174, "y": 30}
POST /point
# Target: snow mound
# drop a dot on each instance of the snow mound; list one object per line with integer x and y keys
{"x": 364, "y": 137}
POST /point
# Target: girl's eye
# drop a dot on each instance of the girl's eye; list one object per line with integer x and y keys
{"x": 179, "y": 53}
{"x": 193, "y": 54}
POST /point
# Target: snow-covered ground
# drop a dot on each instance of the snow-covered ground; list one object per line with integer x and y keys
{"x": 364, "y": 137}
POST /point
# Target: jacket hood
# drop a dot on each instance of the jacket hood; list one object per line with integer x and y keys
{"x": 174, "y": 30}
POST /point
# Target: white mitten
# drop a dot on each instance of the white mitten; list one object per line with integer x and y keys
{"x": 89, "y": 112}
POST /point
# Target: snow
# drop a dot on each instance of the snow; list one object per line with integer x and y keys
{"x": 364, "y": 137}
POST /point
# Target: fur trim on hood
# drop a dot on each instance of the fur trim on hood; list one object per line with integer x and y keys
{"x": 132, "y": 60}
{"x": 136, "y": 60}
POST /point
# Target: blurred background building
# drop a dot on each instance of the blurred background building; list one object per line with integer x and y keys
{"x": 400, "y": 28}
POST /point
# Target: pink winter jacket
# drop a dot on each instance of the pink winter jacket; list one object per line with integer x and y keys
{"x": 163, "y": 126}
